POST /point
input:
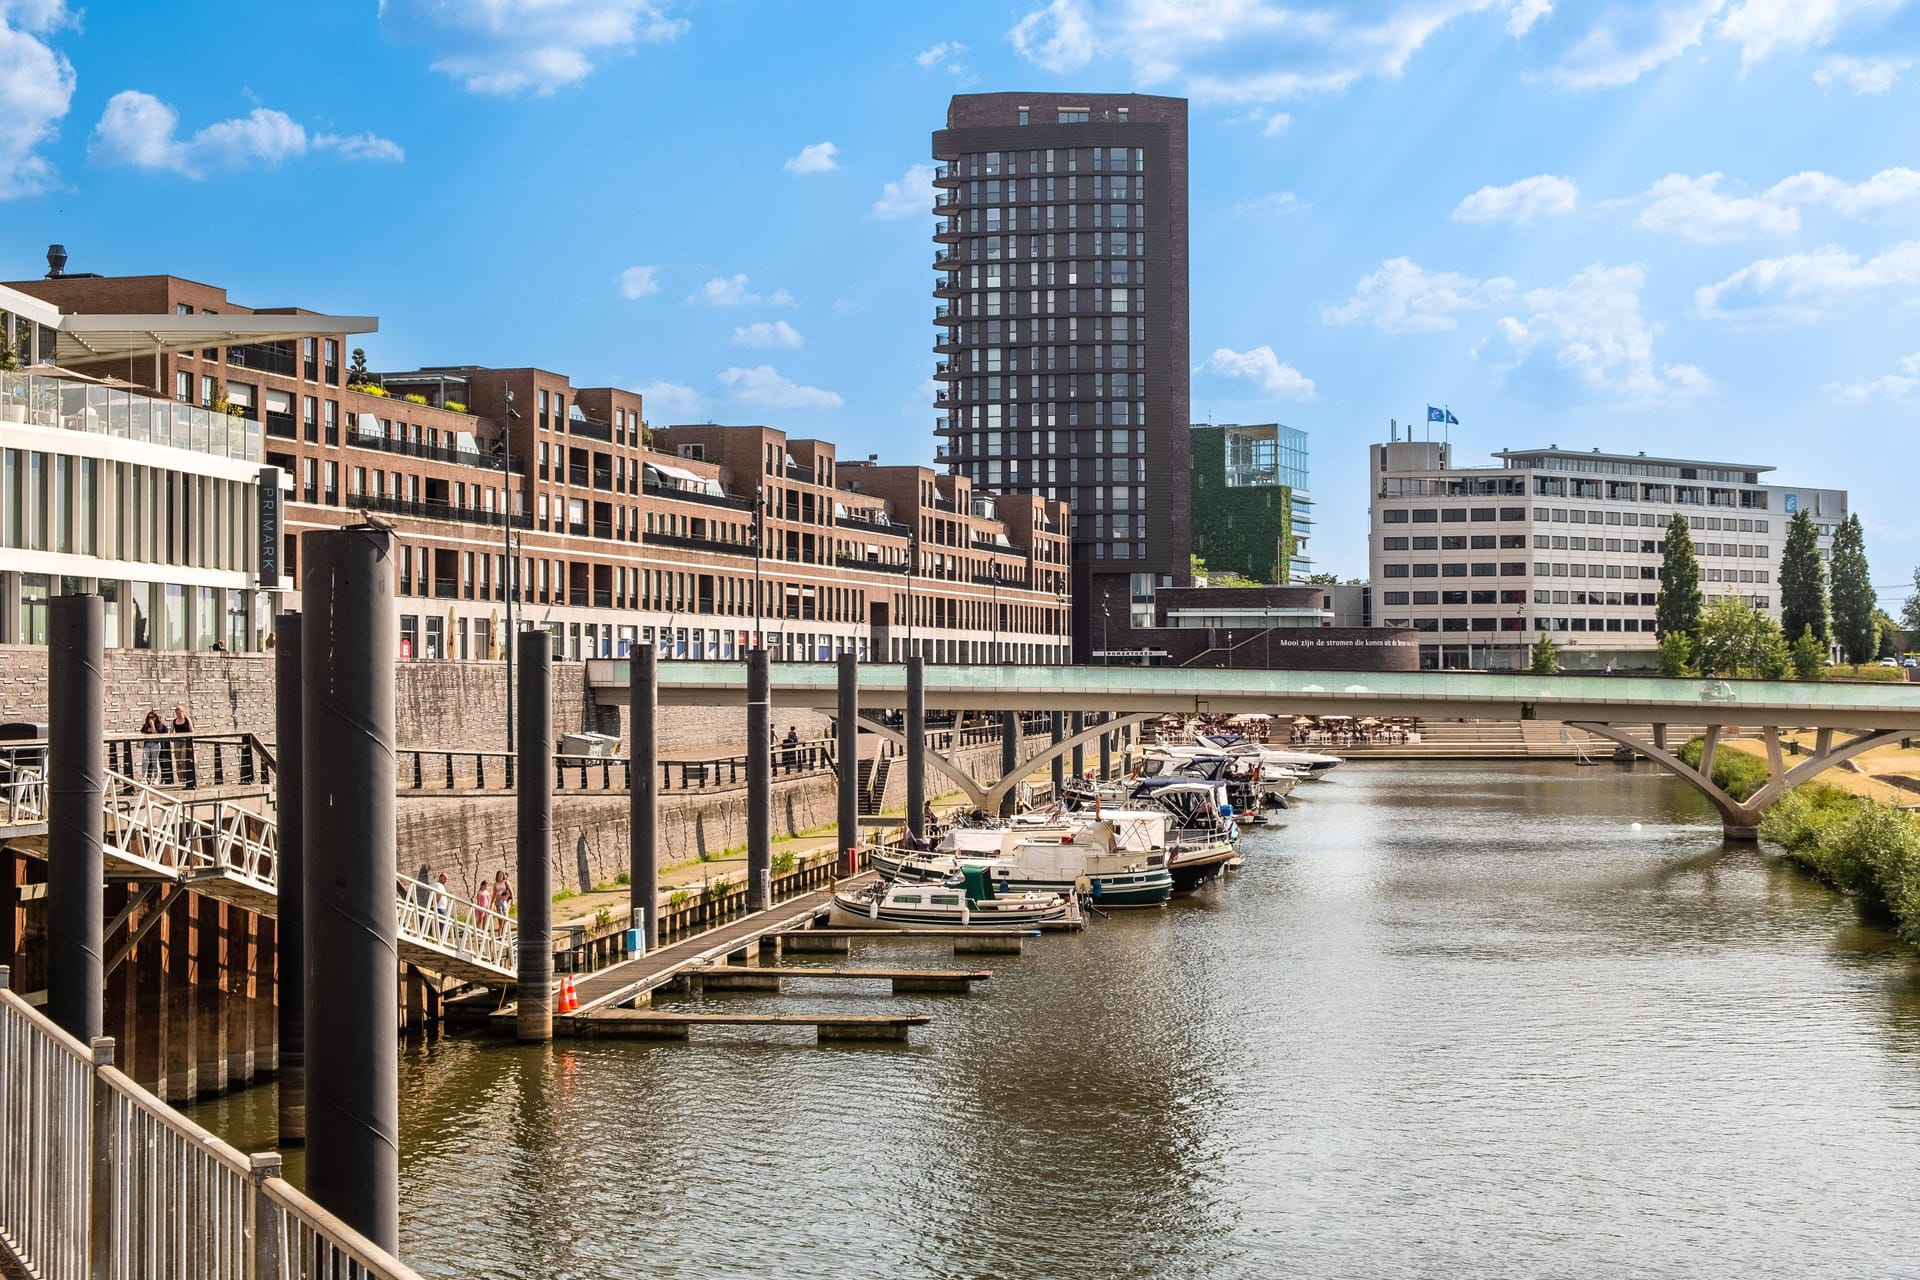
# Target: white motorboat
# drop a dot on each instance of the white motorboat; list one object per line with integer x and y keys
{"x": 964, "y": 900}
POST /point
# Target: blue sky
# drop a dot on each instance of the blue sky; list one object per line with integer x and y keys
{"x": 1687, "y": 228}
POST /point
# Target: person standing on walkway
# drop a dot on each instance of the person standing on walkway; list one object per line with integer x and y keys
{"x": 189, "y": 774}
{"x": 483, "y": 908}
{"x": 151, "y": 729}
{"x": 502, "y": 895}
{"x": 442, "y": 903}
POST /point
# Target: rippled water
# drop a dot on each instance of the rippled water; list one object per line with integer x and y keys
{"x": 1451, "y": 1020}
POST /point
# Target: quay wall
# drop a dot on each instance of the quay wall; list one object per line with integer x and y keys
{"x": 436, "y": 704}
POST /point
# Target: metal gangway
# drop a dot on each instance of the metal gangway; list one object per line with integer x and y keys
{"x": 221, "y": 848}
{"x": 100, "y": 1178}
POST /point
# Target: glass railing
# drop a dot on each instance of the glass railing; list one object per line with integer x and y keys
{"x": 69, "y": 404}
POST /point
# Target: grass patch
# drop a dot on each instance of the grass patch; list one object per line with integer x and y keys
{"x": 1872, "y": 671}
{"x": 1734, "y": 772}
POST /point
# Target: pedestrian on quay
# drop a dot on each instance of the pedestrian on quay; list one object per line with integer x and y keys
{"x": 151, "y": 729}
{"x": 188, "y": 772}
{"x": 483, "y": 908}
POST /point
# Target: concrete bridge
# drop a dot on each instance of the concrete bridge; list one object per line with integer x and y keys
{"x": 1847, "y": 718}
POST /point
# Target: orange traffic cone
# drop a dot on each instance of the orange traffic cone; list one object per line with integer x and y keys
{"x": 567, "y": 1002}
{"x": 573, "y": 995}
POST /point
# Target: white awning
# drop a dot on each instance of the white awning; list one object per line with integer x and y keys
{"x": 675, "y": 473}
{"x": 100, "y": 337}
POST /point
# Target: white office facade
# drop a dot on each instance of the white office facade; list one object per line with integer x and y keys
{"x": 1484, "y": 560}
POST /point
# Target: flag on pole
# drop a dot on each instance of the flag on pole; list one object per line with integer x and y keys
{"x": 1442, "y": 416}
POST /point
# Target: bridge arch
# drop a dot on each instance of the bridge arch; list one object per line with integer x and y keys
{"x": 988, "y": 797}
{"x": 1740, "y": 819}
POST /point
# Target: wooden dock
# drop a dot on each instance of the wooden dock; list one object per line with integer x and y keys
{"x": 649, "y": 1024}
{"x": 991, "y": 942}
{"x": 740, "y": 977}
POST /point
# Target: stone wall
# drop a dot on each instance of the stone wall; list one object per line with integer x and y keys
{"x": 436, "y": 704}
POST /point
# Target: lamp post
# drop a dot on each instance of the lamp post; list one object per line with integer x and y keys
{"x": 759, "y": 605}
{"x": 1060, "y": 599}
{"x": 1106, "y": 617}
{"x": 913, "y": 571}
{"x": 503, "y": 454}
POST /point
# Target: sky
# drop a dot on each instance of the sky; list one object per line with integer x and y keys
{"x": 1690, "y": 228}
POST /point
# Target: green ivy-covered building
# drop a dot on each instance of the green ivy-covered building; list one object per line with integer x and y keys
{"x": 1251, "y": 509}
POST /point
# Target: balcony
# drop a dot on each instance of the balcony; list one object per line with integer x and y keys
{"x": 868, "y": 566}
{"x": 264, "y": 357}
{"x": 713, "y": 545}
{"x": 435, "y": 511}
{"x": 603, "y": 599}
{"x": 945, "y": 203}
{"x": 577, "y": 477}
{"x": 588, "y": 429}
{"x": 949, "y": 231}
{"x": 653, "y": 489}
{"x": 578, "y": 598}
{"x": 282, "y": 425}
{"x": 603, "y": 528}
{"x": 603, "y": 480}
{"x": 872, "y": 527}
{"x": 944, "y": 315}
{"x": 803, "y": 474}
{"x": 941, "y": 396}
{"x": 431, "y": 452}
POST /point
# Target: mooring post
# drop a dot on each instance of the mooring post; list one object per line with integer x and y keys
{"x": 290, "y": 938}
{"x": 76, "y": 797}
{"x": 759, "y": 782}
{"x": 847, "y": 747}
{"x": 1058, "y": 722}
{"x": 1009, "y": 758}
{"x": 1080, "y": 749}
{"x": 643, "y": 783}
{"x": 533, "y": 991}
{"x": 916, "y": 745}
{"x": 347, "y": 731}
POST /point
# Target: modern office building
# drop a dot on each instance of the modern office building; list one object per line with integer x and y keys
{"x": 160, "y": 507}
{"x": 1484, "y": 560}
{"x": 1061, "y": 326}
{"x": 512, "y": 482}
{"x": 1252, "y": 512}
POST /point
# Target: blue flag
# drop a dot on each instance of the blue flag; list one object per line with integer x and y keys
{"x": 1451, "y": 420}
{"x": 1435, "y": 415}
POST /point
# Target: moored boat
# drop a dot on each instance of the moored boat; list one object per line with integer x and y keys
{"x": 965, "y": 899}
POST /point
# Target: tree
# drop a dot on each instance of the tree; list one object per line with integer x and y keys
{"x": 1884, "y": 629}
{"x": 1676, "y": 651}
{"x": 1809, "y": 656}
{"x": 1333, "y": 579}
{"x": 1737, "y": 639}
{"x": 1803, "y": 580}
{"x": 357, "y": 367}
{"x": 1910, "y": 611}
{"x": 1680, "y": 599}
{"x": 1853, "y": 597}
{"x": 1546, "y": 656}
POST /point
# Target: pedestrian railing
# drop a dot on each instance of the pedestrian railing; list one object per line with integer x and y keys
{"x": 23, "y": 787}
{"x": 188, "y": 837}
{"x": 456, "y": 925}
{"x": 429, "y": 769}
{"x": 186, "y": 762}
{"x": 99, "y": 1178}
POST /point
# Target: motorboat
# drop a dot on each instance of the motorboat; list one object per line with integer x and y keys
{"x": 1063, "y": 856}
{"x": 1197, "y": 827}
{"x": 1312, "y": 764}
{"x": 965, "y": 899}
{"x": 1251, "y": 785}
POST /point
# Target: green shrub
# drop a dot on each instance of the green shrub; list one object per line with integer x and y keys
{"x": 1867, "y": 671}
{"x": 679, "y": 898}
{"x": 1735, "y": 772}
{"x": 783, "y": 863}
{"x": 623, "y": 879}
{"x": 455, "y": 406}
{"x": 1863, "y": 847}
{"x": 414, "y": 397}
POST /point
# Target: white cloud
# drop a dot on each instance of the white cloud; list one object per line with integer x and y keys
{"x": 1760, "y": 27}
{"x": 934, "y": 56}
{"x": 140, "y": 130}
{"x": 910, "y": 194}
{"x": 1595, "y": 330}
{"x": 1520, "y": 202}
{"x": 1270, "y": 205}
{"x": 777, "y": 334}
{"x": 360, "y": 146}
{"x": 1892, "y": 386}
{"x": 1404, "y": 297}
{"x": 1262, "y": 367}
{"x": 1522, "y": 14}
{"x": 1867, "y": 76}
{"x": 1886, "y": 191}
{"x": 1058, "y": 38}
{"x": 36, "y": 89}
{"x": 662, "y": 403}
{"x": 761, "y": 387}
{"x": 817, "y": 157}
{"x": 506, "y": 46}
{"x": 1625, "y": 45}
{"x": 637, "y": 282}
{"x": 1803, "y": 286}
{"x": 1276, "y": 124}
{"x": 732, "y": 291}
{"x": 1695, "y": 209}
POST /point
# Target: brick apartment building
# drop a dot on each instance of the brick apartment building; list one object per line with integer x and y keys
{"x": 611, "y": 534}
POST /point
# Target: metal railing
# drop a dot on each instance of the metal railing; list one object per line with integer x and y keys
{"x": 431, "y": 769}
{"x": 104, "y": 1179}
{"x": 43, "y": 400}
{"x": 189, "y": 837}
{"x": 189, "y": 760}
{"x": 454, "y": 924}
{"x": 23, "y": 786}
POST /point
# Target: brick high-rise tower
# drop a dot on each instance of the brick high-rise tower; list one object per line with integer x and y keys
{"x": 1062, "y": 329}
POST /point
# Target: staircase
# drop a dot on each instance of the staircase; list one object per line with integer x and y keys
{"x": 1500, "y": 740}
{"x": 223, "y": 850}
{"x": 873, "y": 785}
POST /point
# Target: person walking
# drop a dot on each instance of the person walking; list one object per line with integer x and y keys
{"x": 183, "y": 751}
{"x": 483, "y": 908}
{"x": 502, "y": 894}
{"x": 442, "y": 904}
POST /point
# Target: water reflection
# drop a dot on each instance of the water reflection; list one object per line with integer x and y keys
{"x": 1451, "y": 1020}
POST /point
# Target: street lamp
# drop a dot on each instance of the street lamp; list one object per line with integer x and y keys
{"x": 1106, "y": 617}
{"x": 759, "y": 606}
{"x": 502, "y": 456}
{"x": 913, "y": 571}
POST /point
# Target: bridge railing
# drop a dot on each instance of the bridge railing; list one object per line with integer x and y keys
{"x": 100, "y": 1178}
{"x": 190, "y": 836}
{"x": 455, "y": 925}
{"x": 23, "y": 786}
{"x": 431, "y": 769}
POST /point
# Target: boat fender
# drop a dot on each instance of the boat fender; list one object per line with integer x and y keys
{"x": 1083, "y": 886}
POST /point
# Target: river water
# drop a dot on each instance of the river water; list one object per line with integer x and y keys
{"x": 1450, "y": 1020}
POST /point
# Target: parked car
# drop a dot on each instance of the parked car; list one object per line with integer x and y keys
{"x": 1910, "y": 662}
{"x": 1888, "y": 662}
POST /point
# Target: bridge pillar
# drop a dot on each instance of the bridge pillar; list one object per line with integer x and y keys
{"x": 643, "y": 786}
{"x": 1058, "y": 723}
{"x": 353, "y": 1019}
{"x": 76, "y": 799}
{"x": 1079, "y": 752}
{"x": 759, "y": 782}
{"x": 847, "y": 748}
{"x": 291, "y": 938}
{"x": 533, "y": 988}
{"x": 1009, "y": 757}
{"x": 916, "y": 727}
{"x": 1106, "y": 752}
